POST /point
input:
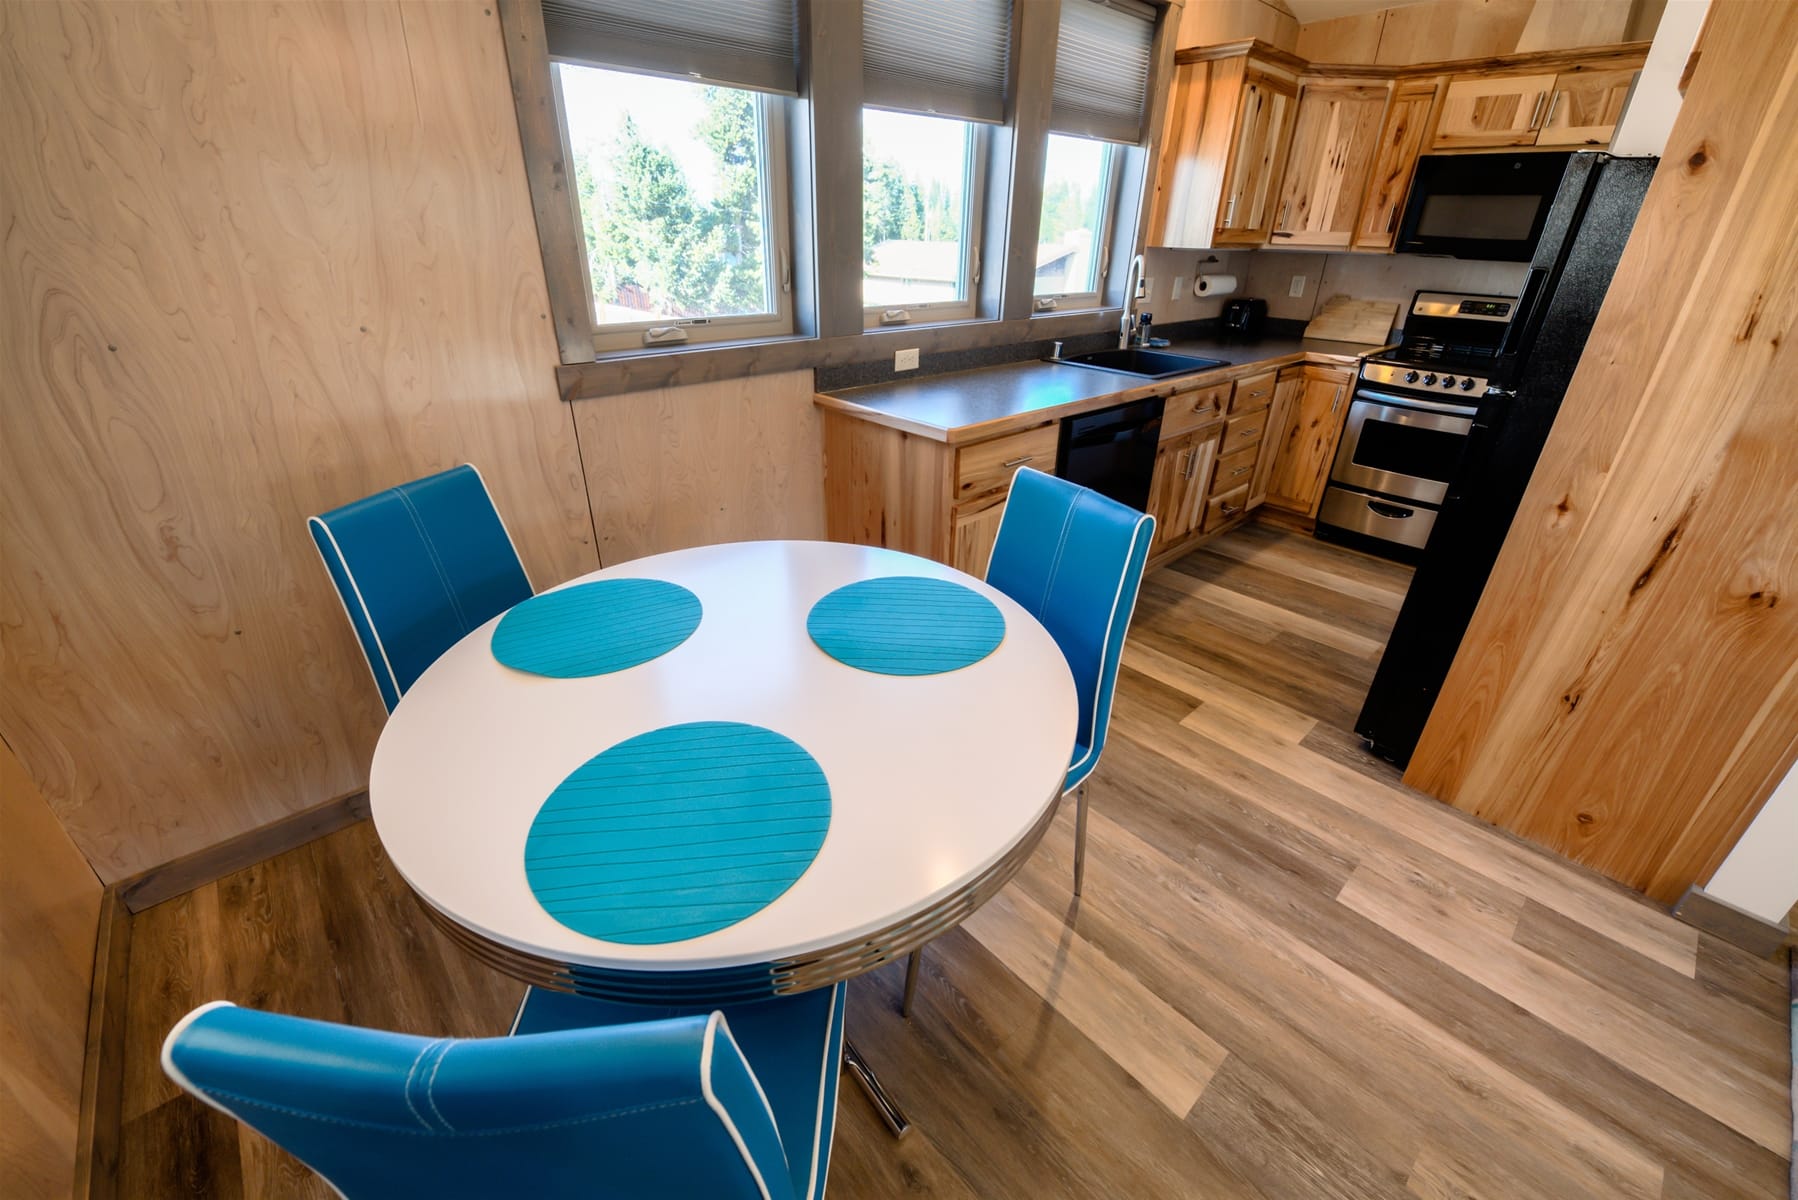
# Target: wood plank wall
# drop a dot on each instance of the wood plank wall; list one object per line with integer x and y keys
{"x": 260, "y": 260}
{"x": 49, "y": 912}
{"x": 1628, "y": 691}
{"x": 1449, "y": 29}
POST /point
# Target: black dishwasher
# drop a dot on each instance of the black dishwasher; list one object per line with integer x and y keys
{"x": 1112, "y": 451}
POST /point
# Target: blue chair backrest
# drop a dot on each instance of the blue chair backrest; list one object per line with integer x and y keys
{"x": 1074, "y": 559}
{"x": 417, "y": 567}
{"x": 651, "y": 1110}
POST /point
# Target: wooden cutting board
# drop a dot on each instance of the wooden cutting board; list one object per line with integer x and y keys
{"x": 1344, "y": 319}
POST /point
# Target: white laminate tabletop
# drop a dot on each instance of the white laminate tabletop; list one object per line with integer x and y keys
{"x": 933, "y": 778}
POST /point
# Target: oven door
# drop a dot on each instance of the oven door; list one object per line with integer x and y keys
{"x": 1400, "y": 446}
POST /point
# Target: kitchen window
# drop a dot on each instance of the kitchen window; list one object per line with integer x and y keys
{"x": 1080, "y": 186}
{"x": 676, "y": 191}
{"x": 920, "y": 216}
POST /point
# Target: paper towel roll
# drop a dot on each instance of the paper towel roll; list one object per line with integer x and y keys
{"x": 1214, "y": 285}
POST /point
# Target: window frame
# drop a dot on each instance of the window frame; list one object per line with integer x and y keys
{"x": 776, "y": 184}
{"x": 973, "y": 223}
{"x": 1093, "y": 297}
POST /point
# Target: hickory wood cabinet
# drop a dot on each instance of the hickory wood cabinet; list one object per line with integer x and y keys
{"x": 1344, "y": 140}
{"x": 1316, "y": 404}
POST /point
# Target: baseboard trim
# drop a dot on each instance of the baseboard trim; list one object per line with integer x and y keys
{"x": 1720, "y": 918}
{"x": 182, "y": 875}
{"x": 103, "y": 1058}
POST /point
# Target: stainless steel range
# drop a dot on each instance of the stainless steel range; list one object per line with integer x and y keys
{"x": 1409, "y": 423}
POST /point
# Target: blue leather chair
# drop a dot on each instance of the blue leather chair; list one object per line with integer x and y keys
{"x": 418, "y": 566}
{"x": 1074, "y": 560}
{"x": 699, "y": 1104}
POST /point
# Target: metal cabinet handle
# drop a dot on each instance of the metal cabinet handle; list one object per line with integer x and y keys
{"x": 1016, "y": 462}
{"x": 1336, "y": 403}
{"x": 1552, "y": 105}
{"x": 1229, "y": 212}
{"x": 1229, "y": 510}
{"x": 1240, "y": 471}
{"x": 1250, "y": 432}
{"x": 1192, "y": 463}
{"x": 1536, "y": 113}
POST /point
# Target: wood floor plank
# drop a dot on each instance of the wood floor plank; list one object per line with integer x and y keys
{"x": 1204, "y": 687}
{"x": 1241, "y": 605}
{"x": 1297, "y": 596}
{"x": 1740, "y": 1093}
{"x": 1388, "y": 593}
{"x": 1142, "y": 1033}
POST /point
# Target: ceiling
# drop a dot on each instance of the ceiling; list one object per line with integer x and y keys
{"x": 1308, "y": 11}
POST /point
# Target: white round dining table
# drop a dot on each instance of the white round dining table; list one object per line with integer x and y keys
{"x": 940, "y": 785}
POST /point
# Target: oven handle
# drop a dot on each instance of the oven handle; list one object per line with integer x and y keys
{"x": 1364, "y": 410}
{"x": 1459, "y": 410}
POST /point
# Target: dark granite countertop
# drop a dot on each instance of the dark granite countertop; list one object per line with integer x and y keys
{"x": 967, "y": 406}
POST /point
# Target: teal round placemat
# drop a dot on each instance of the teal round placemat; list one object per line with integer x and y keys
{"x": 596, "y": 628}
{"x": 678, "y": 832}
{"x": 906, "y": 625}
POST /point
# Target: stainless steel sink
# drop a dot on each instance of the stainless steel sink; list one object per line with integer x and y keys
{"x": 1150, "y": 364}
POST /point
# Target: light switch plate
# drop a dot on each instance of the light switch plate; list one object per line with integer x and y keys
{"x": 905, "y": 360}
{"x": 1298, "y": 286}
{"x": 1179, "y": 287}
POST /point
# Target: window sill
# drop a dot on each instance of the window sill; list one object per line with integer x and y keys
{"x": 620, "y": 372}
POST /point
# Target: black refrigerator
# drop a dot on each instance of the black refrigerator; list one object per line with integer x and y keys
{"x": 1589, "y": 221}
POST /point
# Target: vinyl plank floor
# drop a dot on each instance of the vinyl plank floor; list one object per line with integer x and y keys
{"x": 1289, "y": 976}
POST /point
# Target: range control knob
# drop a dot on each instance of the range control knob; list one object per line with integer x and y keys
{"x": 1467, "y": 385}
{"x": 1448, "y": 381}
{"x": 1430, "y": 378}
{"x": 1410, "y": 376}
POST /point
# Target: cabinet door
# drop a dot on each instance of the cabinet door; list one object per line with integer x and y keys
{"x": 1197, "y": 481}
{"x": 1395, "y": 161}
{"x": 1279, "y": 417}
{"x": 1585, "y": 108}
{"x": 974, "y": 534}
{"x": 1303, "y": 461}
{"x": 1164, "y": 494}
{"x": 1505, "y": 110}
{"x": 1334, "y": 140}
{"x": 1257, "y": 150}
{"x": 1179, "y": 215}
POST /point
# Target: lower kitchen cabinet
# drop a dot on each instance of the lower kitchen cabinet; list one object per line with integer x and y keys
{"x": 975, "y": 533}
{"x": 1286, "y": 391}
{"x": 1177, "y": 492}
{"x": 1305, "y": 442}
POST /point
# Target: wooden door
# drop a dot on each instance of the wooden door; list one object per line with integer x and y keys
{"x": 1197, "y": 480}
{"x": 1482, "y": 110}
{"x": 1334, "y": 141}
{"x": 1257, "y": 151}
{"x": 1179, "y": 216}
{"x": 1585, "y": 107}
{"x": 1302, "y": 463}
{"x": 1286, "y": 392}
{"x": 1395, "y": 161}
{"x": 1177, "y": 493}
{"x": 974, "y": 534}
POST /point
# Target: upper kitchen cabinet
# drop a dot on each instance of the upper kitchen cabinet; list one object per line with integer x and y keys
{"x": 1229, "y": 127}
{"x": 1402, "y": 134}
{"x": 1586, "y": 107}
{"x": 1492, "y": 111}
{"x": 1334, "y": 144}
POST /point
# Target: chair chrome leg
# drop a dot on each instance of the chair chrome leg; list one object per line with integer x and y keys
{"x": 890, "y": 1114}
{"x": 912, "y": 962}
{"x": 1079, "y": 837}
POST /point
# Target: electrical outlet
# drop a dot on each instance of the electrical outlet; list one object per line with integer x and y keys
{"x": 905, "y": 360}
{"x": 1179, "y": 287}
{"x": 1298, "y": 286}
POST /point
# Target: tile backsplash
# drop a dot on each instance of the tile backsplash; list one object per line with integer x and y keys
{"x": 1268, "y": 274}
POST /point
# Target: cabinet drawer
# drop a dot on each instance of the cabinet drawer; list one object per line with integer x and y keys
{"x": 1226, "y": 507}
{"x": 1252, "y": 394}
{"x": 1233, "y": 470}
{"x": 1243, "y": 432}
{"x": 1188, "y": 410}
{"x": 988, "y": 466}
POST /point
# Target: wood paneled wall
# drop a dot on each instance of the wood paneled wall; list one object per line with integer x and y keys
{"x": 259, "y": 260}
{"x": 712, "y": 462}
{"x": 1628, "y": 691}
{"x": 49, "y": 912}
{"x": 1439, "y": 30}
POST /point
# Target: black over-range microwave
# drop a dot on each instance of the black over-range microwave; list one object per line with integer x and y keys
{"x": 1486, "y": 206}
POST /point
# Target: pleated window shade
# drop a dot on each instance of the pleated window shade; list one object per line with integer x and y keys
{"x": 946, "y": 57}
{"x": 739, "y": 43}
{"x": 1102, "y": 69}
